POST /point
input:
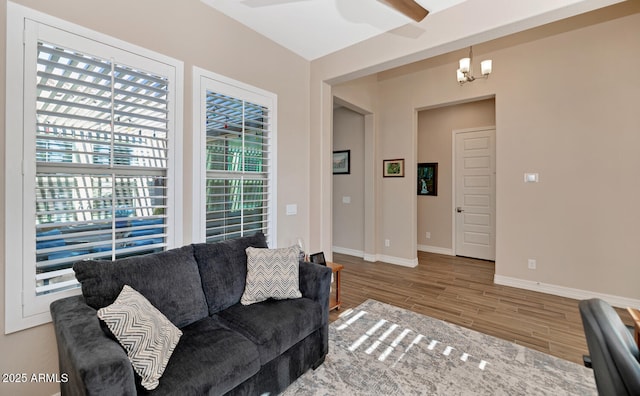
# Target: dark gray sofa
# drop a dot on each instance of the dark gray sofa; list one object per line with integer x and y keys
{"x": 226, "y": 347}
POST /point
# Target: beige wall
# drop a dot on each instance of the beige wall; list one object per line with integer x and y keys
{"x": 348, "y": 218}
{"x": 578, "y": 127}
{"x": 566, "y": 99}
{"x": 197, "y": 35}
{"x": 435, "y": 137}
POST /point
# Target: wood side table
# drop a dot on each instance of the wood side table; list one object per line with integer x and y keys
{"x": 635, "y": 315}
{"x": 334, "y": 302}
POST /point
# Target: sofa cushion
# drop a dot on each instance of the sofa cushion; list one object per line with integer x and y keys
{"x": 274, "y": 325}
{"x": 145, "y": 333}
{"x": 272, "y": 273}
{"x": 209, "y": 360}
{"x": 169, "y": 280}
{"x": 223, "y": 268}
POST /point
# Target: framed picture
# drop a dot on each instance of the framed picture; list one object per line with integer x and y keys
{"x": 342, "y": 162}
{"x": 393, "y": 168}
{"x": 318, "y": 258}
{"x": 428, "y": 178}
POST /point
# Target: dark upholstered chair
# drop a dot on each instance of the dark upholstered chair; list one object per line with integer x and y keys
{"x": 614, "y": 353}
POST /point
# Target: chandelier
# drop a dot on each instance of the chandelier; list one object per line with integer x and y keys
{"x": 464, "y": 72}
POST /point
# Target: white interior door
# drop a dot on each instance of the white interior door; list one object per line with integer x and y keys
{"x": 475, "y": 193}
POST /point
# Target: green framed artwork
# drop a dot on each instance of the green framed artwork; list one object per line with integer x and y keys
{"x": 428, "y": 178}
{"x": 393, "y": 168}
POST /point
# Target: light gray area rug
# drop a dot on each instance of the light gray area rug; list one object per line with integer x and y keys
{"x": 379, "y": 349}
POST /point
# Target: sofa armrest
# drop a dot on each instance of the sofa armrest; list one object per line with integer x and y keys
{"x": 94, "y": 363}
{"x": 315, "y": 283}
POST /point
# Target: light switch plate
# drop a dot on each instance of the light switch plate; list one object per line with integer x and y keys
{"x": 531, "y": 177}
{"x": 292, "y": 209}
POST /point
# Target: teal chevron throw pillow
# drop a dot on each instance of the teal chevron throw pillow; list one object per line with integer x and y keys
{"x": 271, "y": 273}
{"x": 145, "y": 333}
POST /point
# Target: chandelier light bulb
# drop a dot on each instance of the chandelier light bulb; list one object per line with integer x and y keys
{"x": 485, "y": 66}
{"x": 465, "y": 65}
{"x": 460, "y": 76}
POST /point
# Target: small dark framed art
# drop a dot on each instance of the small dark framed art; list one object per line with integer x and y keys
{"x": 342, "y": 162}
{"x": 428, "y": 178}
{"x": 393, "y": 168}
{"x": 318, "y": 258}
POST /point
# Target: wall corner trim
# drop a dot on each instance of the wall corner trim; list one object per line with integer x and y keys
{"x": 412, "y": 263}
{"x": 370, "y": 258}
{"x": 347, "y": 251}
{"x": 435, "y": 249}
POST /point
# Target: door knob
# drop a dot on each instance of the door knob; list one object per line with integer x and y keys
{"x": 459, "y": 209}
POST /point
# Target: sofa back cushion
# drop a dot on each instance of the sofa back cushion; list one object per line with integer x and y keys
{"x": 223, "y": 269}
{"x": 170, "y": 280}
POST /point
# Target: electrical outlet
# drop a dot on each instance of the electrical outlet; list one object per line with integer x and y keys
{"x": 532, "y": 264}
{"x": 428, "y": 235}
{"x": 387, "y": 243}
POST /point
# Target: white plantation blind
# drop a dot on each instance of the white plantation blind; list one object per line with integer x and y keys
{"x": 92, "y": 153}
{"x": 101, "y": 162}
{"x": 238, "y": 162}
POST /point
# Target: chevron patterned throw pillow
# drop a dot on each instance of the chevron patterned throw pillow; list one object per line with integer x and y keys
{"x": 271, "y": 273}
{"x": 145, "y": 333}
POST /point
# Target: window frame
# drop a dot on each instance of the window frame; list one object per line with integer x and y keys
{"x": 204, "y": 80}
{"x": 22, "y": 310}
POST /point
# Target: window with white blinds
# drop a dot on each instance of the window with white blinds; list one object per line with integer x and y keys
{"x": 237, "y": 124}
{"x": 101, "y": 154}
{"x": 92, "y": 154}
{"x": 237, "y": 167}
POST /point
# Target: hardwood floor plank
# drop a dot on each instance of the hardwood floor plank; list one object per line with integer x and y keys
{"x": 460, "y": 290}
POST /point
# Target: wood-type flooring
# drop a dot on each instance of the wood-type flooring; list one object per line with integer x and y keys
{"x": 461, "y": 291}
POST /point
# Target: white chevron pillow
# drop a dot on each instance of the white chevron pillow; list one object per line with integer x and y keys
{"x": 145, "y": 333}
{"x": 271, "y": 273}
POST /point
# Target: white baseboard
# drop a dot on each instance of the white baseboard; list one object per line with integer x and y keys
{"x": 577, "y": 294}
{"x": 372, "y": 258}
{"x": 435, "y": 249}
{"x": 398, "y": 261}
{"x": 377, "y": 257}
{"x": 350, "y": 252}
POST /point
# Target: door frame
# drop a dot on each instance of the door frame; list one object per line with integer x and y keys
{"x": 454, "y": 132}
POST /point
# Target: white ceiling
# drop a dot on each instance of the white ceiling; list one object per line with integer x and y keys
{"x": 314, "y": 28}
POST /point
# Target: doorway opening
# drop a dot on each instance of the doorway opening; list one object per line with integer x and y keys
{"x": 437, "y": 228}
{"x": 353, "y": 200}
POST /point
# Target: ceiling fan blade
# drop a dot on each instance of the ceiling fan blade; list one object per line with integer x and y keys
{"x": 409, "y": 8}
